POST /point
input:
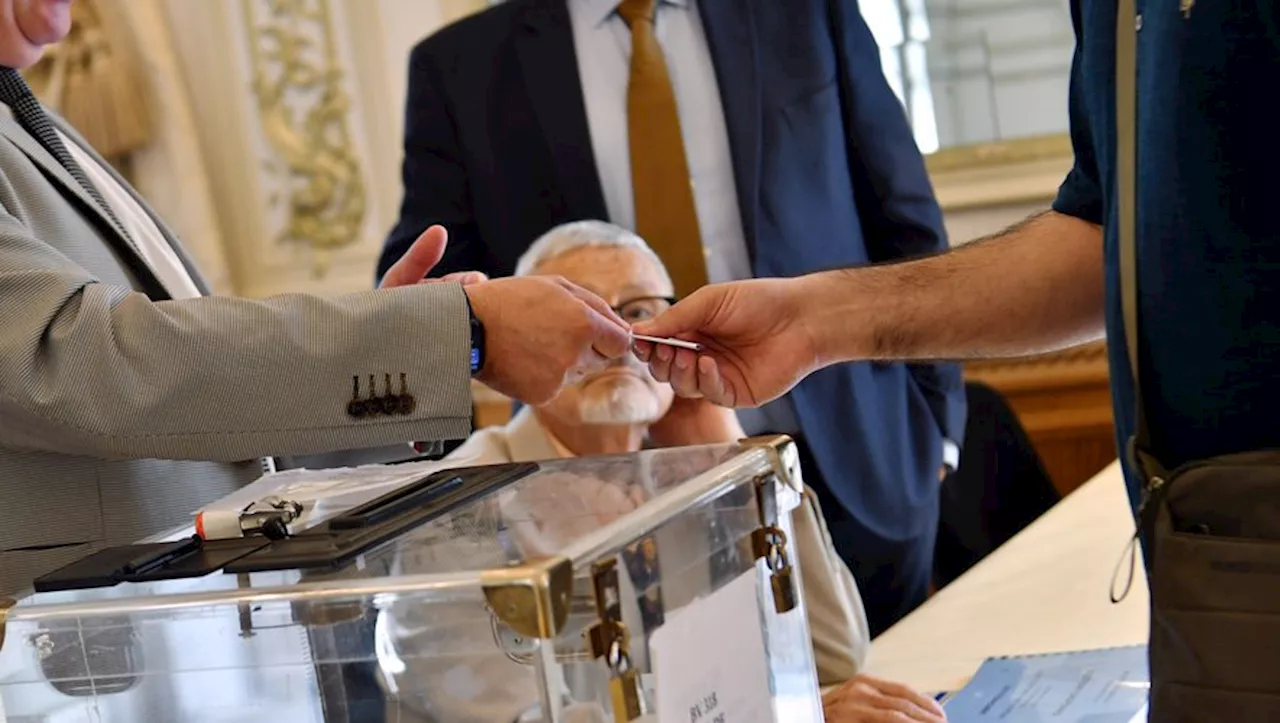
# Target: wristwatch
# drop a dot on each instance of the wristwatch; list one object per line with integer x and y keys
{"x": 477, "y": 340}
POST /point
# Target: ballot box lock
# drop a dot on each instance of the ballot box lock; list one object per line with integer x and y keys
{"x": 769, "y": 543}
{"x": 610, "y": 640}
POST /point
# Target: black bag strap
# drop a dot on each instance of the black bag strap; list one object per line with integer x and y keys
{"x": 1126, "y": 200}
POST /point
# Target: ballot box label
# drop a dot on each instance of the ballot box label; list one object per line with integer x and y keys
{"x": 709, "y": 659}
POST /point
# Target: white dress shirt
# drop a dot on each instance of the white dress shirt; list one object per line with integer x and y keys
{"x": 153, "y": 246}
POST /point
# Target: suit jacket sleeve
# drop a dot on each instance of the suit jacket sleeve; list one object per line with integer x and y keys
{"x": 436, "y": 190}
{"x": 899, "y": 212}
{"x": 93, "y": 369}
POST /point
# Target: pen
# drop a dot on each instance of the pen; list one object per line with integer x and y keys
{"x": 669, "y": 342}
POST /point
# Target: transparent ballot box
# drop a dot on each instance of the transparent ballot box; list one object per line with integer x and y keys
{"x": 657, "y": 586}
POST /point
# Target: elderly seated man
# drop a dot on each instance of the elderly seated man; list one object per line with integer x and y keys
{"x": 622, "y": 409}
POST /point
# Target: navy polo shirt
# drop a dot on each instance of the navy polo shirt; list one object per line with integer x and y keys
{"x": 1208, "y": 218}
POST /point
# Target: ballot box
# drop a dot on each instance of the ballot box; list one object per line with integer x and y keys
{"x": 656, "y": 586}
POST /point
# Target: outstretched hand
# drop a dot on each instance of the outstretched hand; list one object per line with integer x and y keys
{"x": 756, "y": 342}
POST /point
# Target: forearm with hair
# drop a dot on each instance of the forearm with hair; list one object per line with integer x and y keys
{"x": 1033, "y": 288}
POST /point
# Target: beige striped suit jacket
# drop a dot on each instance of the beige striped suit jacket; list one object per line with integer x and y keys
{"x": 122, "y": 411}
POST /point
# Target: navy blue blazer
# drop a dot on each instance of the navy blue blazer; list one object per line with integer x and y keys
{"x": 827, "y": 172}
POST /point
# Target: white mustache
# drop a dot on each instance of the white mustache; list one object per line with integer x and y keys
{"x": 580, "y": 375}
{"x": 627, "y": 362}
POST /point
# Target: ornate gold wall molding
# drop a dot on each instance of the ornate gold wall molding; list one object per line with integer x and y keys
{"x": 304, "y": 109}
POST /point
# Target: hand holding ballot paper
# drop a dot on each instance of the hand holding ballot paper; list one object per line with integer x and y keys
{"x": 756, "y": 336}
{"x": 538, "y": 331}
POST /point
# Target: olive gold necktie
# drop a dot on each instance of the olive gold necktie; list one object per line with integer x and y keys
{"x": 665, "y": 213}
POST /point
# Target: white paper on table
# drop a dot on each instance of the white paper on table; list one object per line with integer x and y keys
{"x": 709, "y": 659}
{"x": 1139, "y": 717}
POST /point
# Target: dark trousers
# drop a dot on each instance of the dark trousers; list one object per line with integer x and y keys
{"x": 893, "y": 576}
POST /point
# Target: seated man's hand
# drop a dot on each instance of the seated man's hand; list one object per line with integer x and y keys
{"x": 695, "y": 421}
{"x": 865, "y": 699}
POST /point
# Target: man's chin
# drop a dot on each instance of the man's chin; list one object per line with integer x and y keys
{"x": 21, "y": 57}
{"x": 45, "y": 24}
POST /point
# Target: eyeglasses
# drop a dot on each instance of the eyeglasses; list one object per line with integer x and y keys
{"x": 643, "y": 308}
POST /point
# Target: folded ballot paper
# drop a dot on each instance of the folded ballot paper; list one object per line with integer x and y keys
{"x": 1110, "y": 685}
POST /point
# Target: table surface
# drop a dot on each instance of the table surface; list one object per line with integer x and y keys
{"x": 1046, "y": 590}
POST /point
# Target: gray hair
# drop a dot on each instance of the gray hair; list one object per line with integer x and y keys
{"x": 579, "y": 234}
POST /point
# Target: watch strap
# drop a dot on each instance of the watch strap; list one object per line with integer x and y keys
{"x": 477, "y": 339}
